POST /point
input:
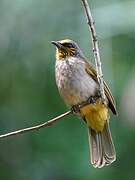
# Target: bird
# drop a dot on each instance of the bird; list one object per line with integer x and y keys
{"x": 77, "y": 83}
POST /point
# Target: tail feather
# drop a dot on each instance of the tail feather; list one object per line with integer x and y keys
{"x": 102, "y": 150}
{"x": 109, "y": 149}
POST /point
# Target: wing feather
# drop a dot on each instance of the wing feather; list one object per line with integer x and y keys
{"x": 92, "y": 72}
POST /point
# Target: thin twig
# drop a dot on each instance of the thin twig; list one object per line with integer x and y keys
{"x": 90, "y": 22}
{"x": 37, "y": 127}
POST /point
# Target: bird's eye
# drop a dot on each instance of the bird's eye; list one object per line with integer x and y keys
{"x": 68, "y": 45}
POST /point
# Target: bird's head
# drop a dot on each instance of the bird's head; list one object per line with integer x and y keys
{"x": 66, "y": 48}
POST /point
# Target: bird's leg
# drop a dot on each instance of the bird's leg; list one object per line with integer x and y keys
{"x": 75, "y": 109}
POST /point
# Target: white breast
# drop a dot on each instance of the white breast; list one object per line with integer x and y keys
{"x": 73, "y": 82}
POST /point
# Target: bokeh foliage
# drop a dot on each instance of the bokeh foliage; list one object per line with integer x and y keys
{"x": 28, "y": 93}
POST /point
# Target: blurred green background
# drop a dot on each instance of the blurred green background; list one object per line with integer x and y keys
{"x": 29, "y": 96}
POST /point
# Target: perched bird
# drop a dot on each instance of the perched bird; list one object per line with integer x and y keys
{"x": 77, "y": 83}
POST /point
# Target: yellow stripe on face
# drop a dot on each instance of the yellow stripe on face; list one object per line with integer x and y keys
{"x": 64, "y": 54}
{"x": 95, "y": 115}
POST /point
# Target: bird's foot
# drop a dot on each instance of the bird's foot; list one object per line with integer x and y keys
{"x": 92, "y": 100}
{"x": 75, "y": 109}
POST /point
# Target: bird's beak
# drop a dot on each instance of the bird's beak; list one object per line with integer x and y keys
{"x": 57, "y": 44}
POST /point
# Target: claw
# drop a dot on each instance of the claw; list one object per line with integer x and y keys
{"x": 75, "y": 109}
{"x": 92, "y": 100}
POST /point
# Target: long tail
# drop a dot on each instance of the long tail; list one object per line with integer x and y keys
{"x": 102, "y": 150}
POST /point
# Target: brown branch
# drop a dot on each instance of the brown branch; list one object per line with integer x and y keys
{"x": 37, "y": 127}
{"x": 90, "y": 22}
